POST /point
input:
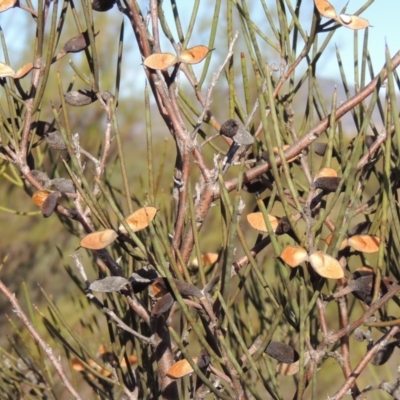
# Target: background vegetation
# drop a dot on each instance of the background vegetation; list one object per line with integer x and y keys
{"x": 78, "y": 102}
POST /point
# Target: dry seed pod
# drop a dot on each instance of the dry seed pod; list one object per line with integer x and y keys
{"x": 142, "y": 278}
{"x": 194, "y": 55}
{"x": 325, "y": 8}
{"x": 55, "y": 140}
{"x": 360, "y": 229}
{"x": 109, "y": 284}
{"x": 325, "y": 265}
{"x": 23, "y": 71}
{"x": 50, "y": 204}
{"x": 320, "y": 148}
{"x": 362, "y": 285}
{"x": 140, "y": 219}
{"x": 384, "y": 353}
{"x": 80, "y": 98}
{"x": 206, "y": 258}
{"x": 163, "y": 305}
{"x": 6, "y": 70}
{"x": 364, "y": 243}
{"x": 99, "y": 240}
{"x": 41, "y": 177}
{"x": 6, "y": 4}
{"x": 184, "y": 288}
{"x": 102, "y": 5}
{"x": 294, "y": 255}
{"x": 283, "y": 226}
{"x": 40, "y": 196}
{"x": 243, "y": 137}
{"x": 63, "y": 185}
{"x": 42, "y": 127}
{"x": 255, "y": 186}
{"x": 77, "y": 43}
{"x": 282, "y": 352}
{"x": 160, "y": 61}
{"x": 229, "y": 128}
{"x": 327, "y": 184}
{"x": 352, "y": 21}
{"x": 256, "y": 221}
{"x": 343, "y": 245}
{"x": 325, "y": 172}
{"x": 180, "y": 369}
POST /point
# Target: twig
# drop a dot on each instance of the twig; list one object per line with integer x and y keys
{"x": 36, "y": 336}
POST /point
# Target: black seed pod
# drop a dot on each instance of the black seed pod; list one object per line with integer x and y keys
{"x": 229, "y": 128}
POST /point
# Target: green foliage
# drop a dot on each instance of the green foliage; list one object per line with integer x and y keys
{"x": 177, "y": 259}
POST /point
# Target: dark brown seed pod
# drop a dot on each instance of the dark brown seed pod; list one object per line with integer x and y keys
{"x": 77, "y": 43}
{"x": 362, "y": 285}
{"x": 282, "y": 352}
{"x": 229, "y": 128}
{"x": 63, "y": 185}
{"x": 327, "y": 183}
{"x": 55, "y": 140}
{"x": 256, "y": 186}
{"x": 142, "y": 278}
{"x": 102, "y": 5}
{"x": 384, "y": 353}
{"x": 42, "y": 127}
{"x": 163, "y": 305}
{"x": 50, "y": 204}
{"x": 283, "y": 226}
{"x": 184, "y": 288}
{"x": 80, "y": 98}
{"x": 360, "y": 229}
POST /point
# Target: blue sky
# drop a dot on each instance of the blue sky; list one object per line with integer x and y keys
{"x": 383, "y": 18}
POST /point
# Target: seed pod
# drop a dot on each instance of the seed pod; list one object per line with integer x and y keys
{"x": 42, "y": 127}
{"x": 256, "y": 221}
{"x": 55, "y": 140}
{"x": 229, "y": 128}
{"x": 352, "y": 21}
{"x": 325, "y": 8}
{"x": 180, "y": 369}
{"x": 243, "y": 137}
{"x": 294, "y": 255}
{"x": 282, "y": 352}
{"x": 23, "y": 71}
{"x": 77, "y": 43}
{"x": 142, "y": 278}
{"x": 40, "y": 196}
{"x": 102, "y": 5}
{"x": 160, "y": 61}
{"x": 194, "y": 55}
{"x": 320, "y": 148}
{"x": 384, "y": 353}
{"x": 109, "y": 284}
{"x": 41, "y": 177}
{"x": 63, "y": 185}
{"x": 80, "y": 98}
{"x": 140, "y": 219}
{"x": 50, "y": 204}
{"x": 6, "y": 4}
{"x": 328, "y": 183}
{"x": 99, "y": 240}
{"x": 326, "y": 266}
